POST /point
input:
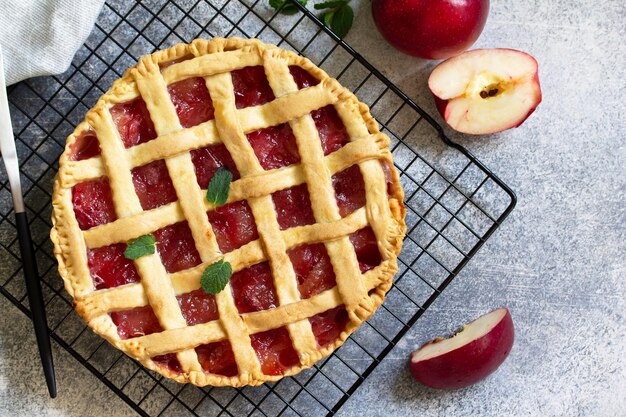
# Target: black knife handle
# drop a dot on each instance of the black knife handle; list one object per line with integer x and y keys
{"x": 35, "y": 300}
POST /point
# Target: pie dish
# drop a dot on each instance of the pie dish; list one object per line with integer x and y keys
{"x": 312, "y": 226}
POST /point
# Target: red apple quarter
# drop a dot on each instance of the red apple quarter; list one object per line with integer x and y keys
{"x": 430, "y": 29}
{"x": 486, "y": 90}
{"x": 467, "y": 357}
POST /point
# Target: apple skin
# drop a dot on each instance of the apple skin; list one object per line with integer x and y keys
{"x": 430, "y": 29}
{"x": 469, "y": 363}
{"x": 444, "y": 105}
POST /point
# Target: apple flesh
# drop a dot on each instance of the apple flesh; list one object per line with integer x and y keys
{"x": 486, "y": 90}
{"x": 467, "y": 357}
{"x": 430, "y": 29}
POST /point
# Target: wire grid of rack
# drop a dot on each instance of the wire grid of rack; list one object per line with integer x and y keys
{"x": 454, "y": 203}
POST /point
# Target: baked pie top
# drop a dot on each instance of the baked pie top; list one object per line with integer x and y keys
{"x": 312, "y": 226}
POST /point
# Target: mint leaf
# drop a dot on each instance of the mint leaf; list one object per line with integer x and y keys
{"x": 342, "y": 21}
{"x": 142, "y": 246}
{"x": 339, "y": 16}
{"x": 219, "y": 186}
{"x": 288, "y": 7}
{"x": 330, "y": 4}
{"x": 216, "y": 276}
{"x": 328, "y": 18}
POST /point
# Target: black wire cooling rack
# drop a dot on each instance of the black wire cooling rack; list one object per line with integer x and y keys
{"x": 454, "y": 203}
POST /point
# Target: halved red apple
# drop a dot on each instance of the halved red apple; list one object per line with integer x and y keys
{"x": 486, "y": 90}
{"x": 467, "y": 357}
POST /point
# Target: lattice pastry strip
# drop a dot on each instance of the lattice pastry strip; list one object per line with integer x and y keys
{"x": 215, "y": 61}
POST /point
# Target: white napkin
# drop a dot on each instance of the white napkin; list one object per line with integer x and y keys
{"x": 40, "y": 37}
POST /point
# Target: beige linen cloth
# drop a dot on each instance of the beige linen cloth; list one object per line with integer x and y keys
{"x": 40, "y": 37}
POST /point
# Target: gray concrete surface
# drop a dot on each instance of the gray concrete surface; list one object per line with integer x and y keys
{"x": 557, "y": 262}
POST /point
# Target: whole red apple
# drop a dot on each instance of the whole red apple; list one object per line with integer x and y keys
{"x": 430, "y": 29}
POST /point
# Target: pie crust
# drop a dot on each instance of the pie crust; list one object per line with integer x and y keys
{"x": 214, "y": 60}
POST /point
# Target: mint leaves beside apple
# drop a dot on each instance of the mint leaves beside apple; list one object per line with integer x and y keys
{"x": 336, "y": 14}
{"x": 286, "y": 7}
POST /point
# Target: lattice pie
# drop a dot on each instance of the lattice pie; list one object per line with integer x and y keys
{"x": 311, "y": 228}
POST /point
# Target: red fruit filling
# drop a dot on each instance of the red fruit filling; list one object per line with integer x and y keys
{"x": 275, "y": 146}
{"x": 313, "y": 269}
{"x": 93, "y": 203}
{"x": 233, "y": 225}
{"x": 275, "y": 351}
{"x": 176, "y": 247}
{"x": 85, "y": 146}
{"x": 192, "y": 101}
{"x": 349, "y": 190}
{"x": 217, "y": 358}
{"x": 169, "y": 361}
{"x": 388, "y": 177}
{"x": 166, "y": 64}
{"x": 327, "y": 326}
{"x": 208, "y": 159}
{"x": 253, "y": 288}
{"x": 136, "y": 322}
{"x": 251, "y": 87}
{"x": 331, "y": 130}
{"x": 133, "y": 122}
{"x": 198, "y": 307}
{"x": 109, "y": 267}
{"x": 293, "y": 207}
{"x": 302, "y": 77}
{"x": 153, "y": 185}
{"x": 366, "y": 248}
